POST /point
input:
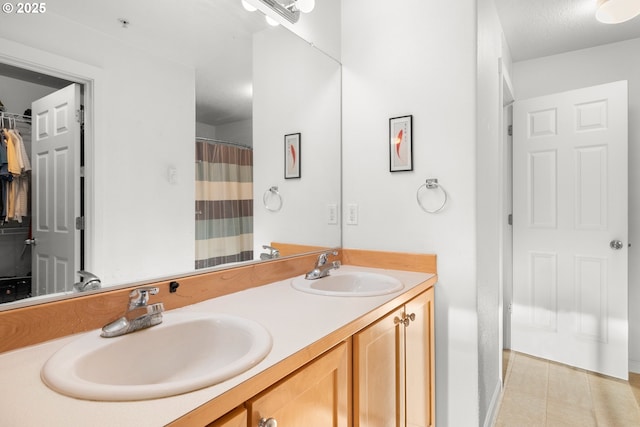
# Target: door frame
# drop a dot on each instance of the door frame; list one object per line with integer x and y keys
{"x": 505, "y": 164}
{"x": 89, "y": 77}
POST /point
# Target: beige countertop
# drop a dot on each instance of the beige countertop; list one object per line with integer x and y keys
{"x": 294, "y": 319}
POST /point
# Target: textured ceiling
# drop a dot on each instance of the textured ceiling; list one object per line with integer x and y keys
{"x": 535, "y": 28}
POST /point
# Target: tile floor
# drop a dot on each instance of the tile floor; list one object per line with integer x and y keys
{"x": 543, "y": 393}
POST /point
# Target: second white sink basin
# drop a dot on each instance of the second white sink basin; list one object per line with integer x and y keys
{"x": 349, "y": 283}
{"x": 186, "y": 352}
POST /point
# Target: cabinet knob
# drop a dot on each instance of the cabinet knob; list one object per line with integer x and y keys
{"x": 267, "y": 422}
{"x": 405, "y": 321}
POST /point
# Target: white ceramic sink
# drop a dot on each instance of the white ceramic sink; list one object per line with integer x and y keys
{"x": 349, "y": 283}
{"x": 186, "y": 352}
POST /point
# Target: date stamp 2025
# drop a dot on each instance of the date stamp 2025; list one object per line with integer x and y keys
{"x": 24, "y": 8}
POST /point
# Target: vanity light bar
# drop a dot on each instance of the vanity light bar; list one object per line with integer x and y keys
{"x": 290, "y": 13}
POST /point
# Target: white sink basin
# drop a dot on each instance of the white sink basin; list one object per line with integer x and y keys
{"x": 186, "y": 352}
{"x": 349, "y": 283}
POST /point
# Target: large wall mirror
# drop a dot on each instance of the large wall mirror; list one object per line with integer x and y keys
{"x": 160, "y": 83}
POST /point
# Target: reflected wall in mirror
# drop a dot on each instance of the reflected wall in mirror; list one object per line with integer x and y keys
{"x": 150, "y": 87}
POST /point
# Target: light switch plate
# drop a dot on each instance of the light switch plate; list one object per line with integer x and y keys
{"x": 172, "y": 175}
{"x": 332, "y": 213}
{"x": 352, "y": 214}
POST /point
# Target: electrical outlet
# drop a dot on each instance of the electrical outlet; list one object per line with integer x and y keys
{"x": 352, "y": 214}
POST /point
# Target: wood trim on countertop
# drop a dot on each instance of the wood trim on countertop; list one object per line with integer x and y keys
{"x": 31, "y": 325}
{"x": 288, "y": 249}
{"x": 21, "y": 327}
{"x": 423, "y": 263}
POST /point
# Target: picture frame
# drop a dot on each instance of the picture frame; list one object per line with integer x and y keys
{"x": 401, "y": 143}
{"x": 292, "y": 157}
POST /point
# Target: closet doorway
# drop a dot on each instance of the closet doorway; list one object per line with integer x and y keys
{"x": 42, "y": 246}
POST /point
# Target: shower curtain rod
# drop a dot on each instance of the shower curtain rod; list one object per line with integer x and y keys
{"x": 220, "y": 141}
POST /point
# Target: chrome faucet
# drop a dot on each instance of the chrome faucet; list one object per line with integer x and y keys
{"x": 88, "y": 282}
{"x": 139, "y": 314}
{"x": 318, "y": 271}
{"x": 273, "y": 252}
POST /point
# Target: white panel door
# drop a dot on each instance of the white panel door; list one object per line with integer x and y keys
{"x": 570, "y": 207}
{"x": 55, "y": 153}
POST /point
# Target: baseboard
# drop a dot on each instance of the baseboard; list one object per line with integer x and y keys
{"x": 634, "y": 366}
{"x": 492, "y": 413}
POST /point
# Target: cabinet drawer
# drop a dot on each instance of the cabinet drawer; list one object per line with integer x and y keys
{"x": 317, "y": 395}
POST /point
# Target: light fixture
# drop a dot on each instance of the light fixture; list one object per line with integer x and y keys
{"x": 271, "y": 21}
{"x": 277, "y": 9}
{"x": 248, "y": 7}
{"x": 305, "y": 6}
{"x": 617, "y": 11}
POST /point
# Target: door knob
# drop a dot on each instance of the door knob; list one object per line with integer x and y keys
{"x": 616, "y": 245}
{"x": 30, "y": 242}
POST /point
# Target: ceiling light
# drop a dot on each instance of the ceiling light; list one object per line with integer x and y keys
{"x": 248, "y": 7}
{"x": 271, "y": 21}
{"x": 305, "y": 6}
{"x": 617, "y": 11}
{"x": 275, "y": 10}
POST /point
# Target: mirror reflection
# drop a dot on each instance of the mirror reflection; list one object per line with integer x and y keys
{"x": 183, "y": 139}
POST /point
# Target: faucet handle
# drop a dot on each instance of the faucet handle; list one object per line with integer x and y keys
{"x": 273, "y": 252}
{"x": 323, "y": 257}
{"x": 88, "y": 282}
{"x": 140, "y": 297}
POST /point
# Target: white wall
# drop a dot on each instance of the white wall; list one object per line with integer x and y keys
{"x": 284, "y": 104}
{"x": 588, "y": 67}
{"x": 418, "y": 58}
{"x": 204, "y": 130}
{"x": 142, "y": 226}
{"x": 17, "y": 95}
{"x": 240, "y": 131}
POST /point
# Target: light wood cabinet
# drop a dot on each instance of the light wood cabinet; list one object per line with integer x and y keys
{"x": 393, "y": 365}
{"x": 236, "y": 418}
{"x": 380, "y": 375}
{"x": 317, "y": 395}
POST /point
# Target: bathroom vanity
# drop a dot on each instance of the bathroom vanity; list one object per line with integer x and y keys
{"x": 335, "y": 360}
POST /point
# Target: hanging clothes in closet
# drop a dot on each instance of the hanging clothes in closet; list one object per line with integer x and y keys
{"x": 15, "y": 168}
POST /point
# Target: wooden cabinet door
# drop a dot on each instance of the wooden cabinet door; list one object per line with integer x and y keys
{"x": 317, "y": 395}
{"x": 379, "y": 372}
{"x": 420, "y": 364}
{"x": 394, "y": 368}
{"x": 236, "y": 418}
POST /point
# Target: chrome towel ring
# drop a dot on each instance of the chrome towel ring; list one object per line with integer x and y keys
{"x": 432, "y": 184}
{"x": 268, "y": 195}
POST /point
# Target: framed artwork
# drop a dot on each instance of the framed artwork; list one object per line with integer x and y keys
{"x": 400, "y": 144}
{"x": 292, "y": 156}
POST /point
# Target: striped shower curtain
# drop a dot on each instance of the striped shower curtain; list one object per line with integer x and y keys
{"x": 224, "y": 204}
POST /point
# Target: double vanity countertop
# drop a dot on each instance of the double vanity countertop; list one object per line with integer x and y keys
{"x": 295, "y": 320}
